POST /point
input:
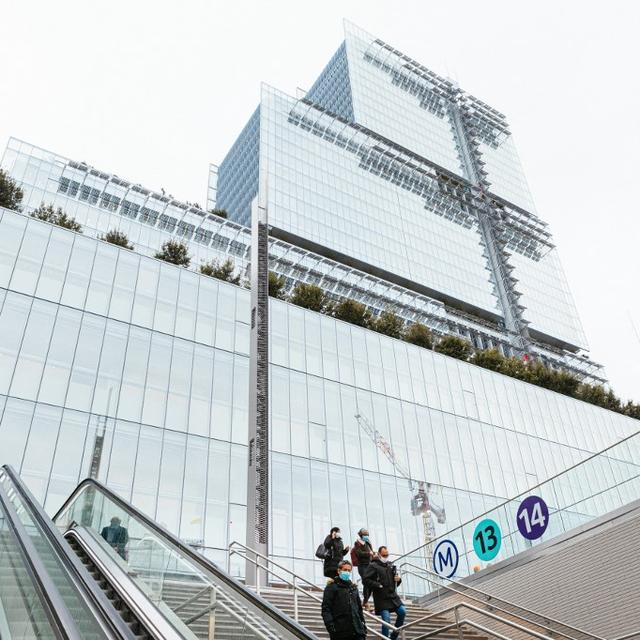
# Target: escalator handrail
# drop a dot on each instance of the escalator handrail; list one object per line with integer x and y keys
{"x": 108, "y": 618}
{"x": 200, "y": 560}
{"x": 125, "y": 587}
{"x": 58, "y": 615}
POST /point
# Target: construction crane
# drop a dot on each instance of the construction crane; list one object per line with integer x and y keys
{"x": 421, "y": 505}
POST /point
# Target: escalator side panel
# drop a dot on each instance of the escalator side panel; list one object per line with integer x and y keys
{"x": 133, "y": 604}
{"x": 44, "y": 611}
{"x": 91, "y": 612}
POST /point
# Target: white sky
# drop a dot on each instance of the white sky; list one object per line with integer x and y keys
{"x": 154, "y": 91}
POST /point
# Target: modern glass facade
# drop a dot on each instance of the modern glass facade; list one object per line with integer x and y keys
{"x": 390, "y": 167}
{"x": 95, "y": 339}
{"x": 111, "y": 355}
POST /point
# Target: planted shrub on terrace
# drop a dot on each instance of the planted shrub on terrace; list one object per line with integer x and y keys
{"x": 48, "y": 213}
{"x": 351, "y": 311}
{"x": 389, "y": 324}
{"x": 119, "y": 238}
{"x": 276, "y": 286}
{"x": 10, "y": 193}
{"x": 309, "y": 296}
{"x": 418, "y": 334}
{"x": 174, "y": 252}
{"x": 454, "y": 346}
{"x": 221, "y": 271}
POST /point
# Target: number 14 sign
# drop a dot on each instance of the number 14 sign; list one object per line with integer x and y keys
{"x": 533, "y": 517}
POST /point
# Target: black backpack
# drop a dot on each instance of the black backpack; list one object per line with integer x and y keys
{"x": 322, "y": 553}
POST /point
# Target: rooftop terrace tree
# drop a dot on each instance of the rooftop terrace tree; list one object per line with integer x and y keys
{"x": 175, "y": 252}
{"x": 309, "y": 296}
{"x": 48, "y": 213}
{"x": 222, "y": 271}
{"x": 10, "y": 193}
{"x": 119, "y": 238}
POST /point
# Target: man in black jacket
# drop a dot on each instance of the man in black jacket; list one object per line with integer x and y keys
{"x": 341, "y": 607}
{"x": 383, "y": 579}
{"x": 335, "y": 552}
{"x": 117, "y": 536}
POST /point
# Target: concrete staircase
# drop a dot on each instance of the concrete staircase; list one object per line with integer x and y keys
{"x": 224, "y": 626}
{"x": 311, "y": 618}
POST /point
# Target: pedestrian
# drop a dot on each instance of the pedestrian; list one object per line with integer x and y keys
{"x": 341, "y": 607}
{"x": 335, "y": 551}
{"x": 362, "y": 554}
{"x": 383, "y": 580}
{"x": 117, "y": 536}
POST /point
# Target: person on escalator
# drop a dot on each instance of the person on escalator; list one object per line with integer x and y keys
{"x": 116, "y": 536}
{"x": 341, "y": 607}
{"x": 335, "y": 551}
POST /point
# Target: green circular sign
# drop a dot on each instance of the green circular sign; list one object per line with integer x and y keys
{"x": 487, "y": 539}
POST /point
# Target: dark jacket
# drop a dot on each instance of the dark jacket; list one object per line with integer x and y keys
{"x": 117, "y": 537}
{"x": 379, "y": 578}
{"x": 363, "y": 551}
{"x": 336, "y": 552}
{"x": 342, "y": 611}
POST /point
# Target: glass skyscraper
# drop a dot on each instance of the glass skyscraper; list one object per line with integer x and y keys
{"x": 390, "y": 168}
{"x": 385, "y": 183}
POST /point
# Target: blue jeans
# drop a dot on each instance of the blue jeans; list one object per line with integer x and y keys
{"x": 401, "y": 612}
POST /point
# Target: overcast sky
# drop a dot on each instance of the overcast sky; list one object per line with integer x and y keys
{"x": 154, "y": 91}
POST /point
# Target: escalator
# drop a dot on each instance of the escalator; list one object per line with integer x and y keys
{"x": 102, "y": 569}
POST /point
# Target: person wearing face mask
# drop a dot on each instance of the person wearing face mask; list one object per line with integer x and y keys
{"x": 382, "y": 578}
{"x": 341, "y": 607}
{"x": 361, "y": 556}
{"x": 335, "y": 551}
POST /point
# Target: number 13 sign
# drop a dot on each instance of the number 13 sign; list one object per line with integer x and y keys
{"x": 533, "y": 517}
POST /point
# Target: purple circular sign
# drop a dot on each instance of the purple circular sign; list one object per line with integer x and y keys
{"x": 533, "y": 517}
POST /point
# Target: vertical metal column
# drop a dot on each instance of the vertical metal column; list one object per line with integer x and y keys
{"x": 258, "y": 467}
{"x": 507, "y": 294}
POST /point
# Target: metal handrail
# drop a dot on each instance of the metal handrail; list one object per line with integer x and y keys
{"x": 490, "y": 596}
{"x": 203, "y": 563}
{"x": 191, "y": 599}
{"x": 88, "y": 591}
{"x": 55, "y": 609}
{"x": 121, "y": 582}
{"x": 453, "y": 609}
{"x": 243, "y": 553}
{"x": 402, "y": 630}
{"x": 234, "y": 614}
{"x": 519, "y": 495}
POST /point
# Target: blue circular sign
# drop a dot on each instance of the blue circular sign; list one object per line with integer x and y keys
{"x": 487, "y": 539}
{"x": 445, "y": 558}
{"x": 533, "y": 517}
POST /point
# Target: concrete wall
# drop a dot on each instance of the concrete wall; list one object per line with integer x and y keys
{"x": 589, "y": 578}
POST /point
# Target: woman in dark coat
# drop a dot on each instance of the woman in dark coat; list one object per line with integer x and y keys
{"x": 335, "y": 552}
{"x": 341, "y": 607}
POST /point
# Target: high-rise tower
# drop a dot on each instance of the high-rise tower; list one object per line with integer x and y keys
{"x": 388, "y": 168}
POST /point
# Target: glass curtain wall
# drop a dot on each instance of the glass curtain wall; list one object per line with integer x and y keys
{"x": 99, "y": 343}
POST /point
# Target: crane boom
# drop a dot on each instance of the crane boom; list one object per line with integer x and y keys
{"x": 420, "y": 502}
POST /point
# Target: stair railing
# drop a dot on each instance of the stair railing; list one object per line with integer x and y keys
{"x": 548, "y": 624}
{"x": 298, "y": 584}
{"x": 453, "y": 611}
